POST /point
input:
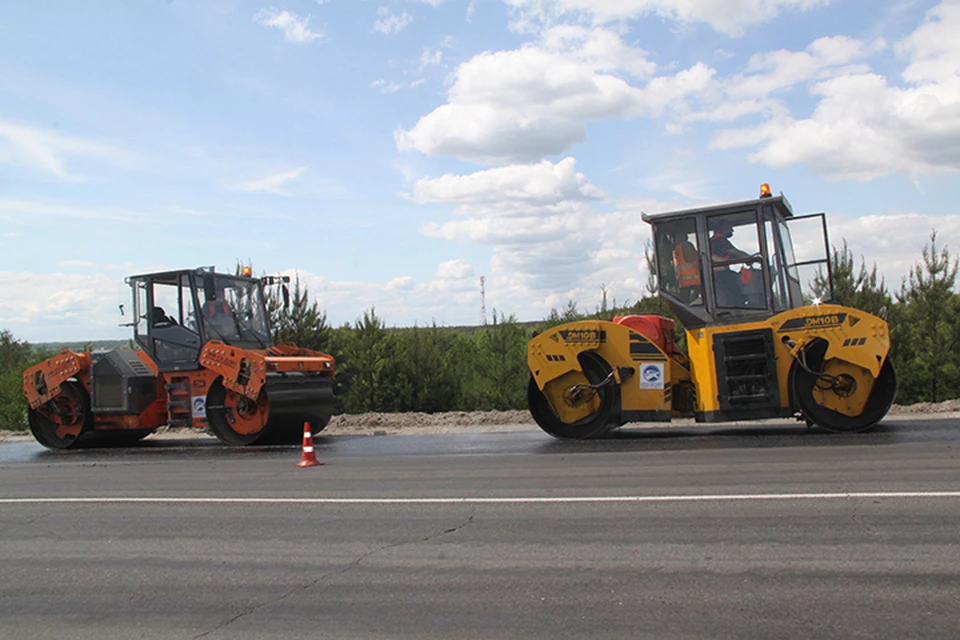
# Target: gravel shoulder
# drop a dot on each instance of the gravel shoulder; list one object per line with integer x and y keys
{"x": 381, "y": 424}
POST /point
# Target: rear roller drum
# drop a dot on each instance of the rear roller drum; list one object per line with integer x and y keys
{"x": 234, "y": 418}
{"x": 59, "y": 423}
{"x": 836, "y": 383}
{"x": 295, "y": 399}
{"x": 579, "y": 404}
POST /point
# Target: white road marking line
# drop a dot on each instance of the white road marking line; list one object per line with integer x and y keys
{"x": 516, "y": 500}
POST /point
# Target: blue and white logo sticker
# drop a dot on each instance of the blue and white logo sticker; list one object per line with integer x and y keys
{"x": 651, "y": 376}
{"x": 199, "y": 407}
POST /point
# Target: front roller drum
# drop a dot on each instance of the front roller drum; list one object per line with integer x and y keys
{"x": 278, "y": 414}
{"x": 578, "y": 405}
{"x": 821, "y": 389}
{"x": 234, "y": 418}
{"x": 60, "y": 423}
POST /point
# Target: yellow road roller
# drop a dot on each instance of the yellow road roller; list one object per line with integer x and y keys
{"x": 758, "y": 344}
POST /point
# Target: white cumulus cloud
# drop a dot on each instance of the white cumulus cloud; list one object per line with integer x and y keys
{"x": 504, "y": 189}
{"x": 862, "y": 128}
{"x": 60, "y": 306}
{"x": 538, "y": 218}
{"x": 773, "y": 71}
{"x": 522, "y": 105}
{"x": 864, "y": 125}
{"x": 390, "y": 23}
{"x": 894, "y": 242}
{"x": 454, "y": 270}
{"x": 295, "y": 29}
{"x": 403, "y": 283}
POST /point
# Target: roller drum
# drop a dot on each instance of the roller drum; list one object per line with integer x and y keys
{"x": 295, "y": 398}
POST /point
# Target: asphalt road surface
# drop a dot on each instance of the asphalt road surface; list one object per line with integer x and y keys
{"x": 739, "y": 532}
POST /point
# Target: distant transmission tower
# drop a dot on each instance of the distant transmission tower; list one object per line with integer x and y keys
{"x": 483, "y": 301}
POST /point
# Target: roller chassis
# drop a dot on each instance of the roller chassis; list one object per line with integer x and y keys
{"x": 831, "y": 373}
{"x": 248, "y": 392}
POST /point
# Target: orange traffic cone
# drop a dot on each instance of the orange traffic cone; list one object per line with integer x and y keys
{"x": 309, "y": 458}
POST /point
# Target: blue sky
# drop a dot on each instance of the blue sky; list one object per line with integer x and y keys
{"x": 391, "y": 153}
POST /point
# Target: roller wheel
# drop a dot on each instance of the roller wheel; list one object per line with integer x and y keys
{"x": 600, "y": 408}
{"x": 59, "y": 423}
{"x": 806, "y": 393}
{"x": 234, "y": 418}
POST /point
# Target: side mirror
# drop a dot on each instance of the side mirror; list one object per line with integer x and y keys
{"x": 209, "y": 288}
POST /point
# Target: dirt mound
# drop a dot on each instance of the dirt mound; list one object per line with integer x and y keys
{"x": 450, "y": 418}
{"x": 947, "y": 406}
{"x": 452, "y": 421}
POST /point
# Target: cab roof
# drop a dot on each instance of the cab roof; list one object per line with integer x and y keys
{"x": 779, "y": 202}
{"x": 172, "y": 276}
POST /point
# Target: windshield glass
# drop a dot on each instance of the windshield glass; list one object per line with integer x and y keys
{"x": 775, "y": 261}
{"x": 237, "y": 314}
{"x": 737, "y": 260}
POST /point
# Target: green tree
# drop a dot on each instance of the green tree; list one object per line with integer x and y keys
{"x": 364, "y": 365}
{"x": 15, "y": 356}
{"x": 503, "y": 362}
{"x": 425, "y": 375}
{"x": 340, "y": 345}
{"x": 467, "y": 353}
{"x": 302, "y": 322}
{"x": 925, "y": 328}
{"x": 556, "y": 317}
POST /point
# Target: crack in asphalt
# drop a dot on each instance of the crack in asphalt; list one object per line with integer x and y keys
{"x": 459, "y": 527}
{"x": 349, "y": 567}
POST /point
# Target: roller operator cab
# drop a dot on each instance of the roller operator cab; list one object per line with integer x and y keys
{"x": 759, "y": 344}
{"x": 203, "y": 359}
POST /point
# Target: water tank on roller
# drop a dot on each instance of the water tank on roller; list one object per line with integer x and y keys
{"x": 659, "y": 330}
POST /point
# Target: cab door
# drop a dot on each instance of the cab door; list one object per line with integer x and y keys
{"x": 166, "y": 325}
{"x": 808, "y": 274}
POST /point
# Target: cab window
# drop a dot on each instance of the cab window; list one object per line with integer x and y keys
{"x": 678, "y": 261}
{"x": 173, "y": 321}
{"x": 736, "y": 261}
